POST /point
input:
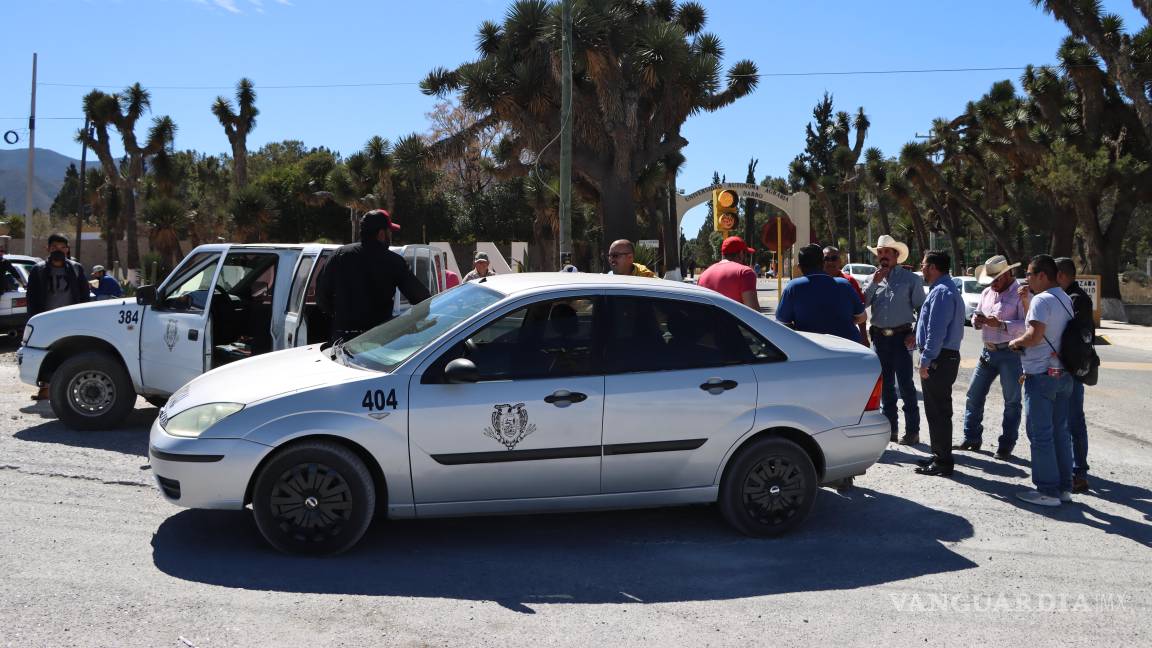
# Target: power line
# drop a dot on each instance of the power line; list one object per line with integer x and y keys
{"x": 232, "y": 87}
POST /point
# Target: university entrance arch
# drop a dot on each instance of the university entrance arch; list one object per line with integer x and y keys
{"x": 796, "y": 205}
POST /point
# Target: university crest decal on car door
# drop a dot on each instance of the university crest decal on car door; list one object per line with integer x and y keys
{"x": 509, "y": 424}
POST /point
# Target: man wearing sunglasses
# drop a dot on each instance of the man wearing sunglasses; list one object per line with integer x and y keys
{"x": 622, "y": 260}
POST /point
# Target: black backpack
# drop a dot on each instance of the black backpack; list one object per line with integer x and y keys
{"x": 1076, "y": 351}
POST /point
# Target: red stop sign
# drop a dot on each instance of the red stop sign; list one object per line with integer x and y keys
{"x": 768, "y": 233}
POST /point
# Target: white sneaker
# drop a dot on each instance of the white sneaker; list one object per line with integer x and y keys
{"x": 1065, "y": 496}
{"x": 1038, "y": 498}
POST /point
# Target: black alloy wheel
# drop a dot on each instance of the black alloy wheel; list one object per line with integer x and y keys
{"x": 769, "y": 488}
{"x": 314, "y": 498}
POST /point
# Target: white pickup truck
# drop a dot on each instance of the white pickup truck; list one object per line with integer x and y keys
{"x": 224, "y": 302}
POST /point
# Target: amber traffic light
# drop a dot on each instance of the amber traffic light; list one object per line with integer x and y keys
{"x": 725, "y": 212}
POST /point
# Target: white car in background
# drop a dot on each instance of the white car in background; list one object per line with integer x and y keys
{"x": 970, "y": 291}
{"x": 861, "y": 272}
{"x": 14, "y": 299}
{"x": 528, "y": 393}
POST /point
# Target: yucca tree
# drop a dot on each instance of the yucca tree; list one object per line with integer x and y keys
{"x": 640, "y": 70}
{"x": 378, "y": 154}
{"x": 165, "y": 215}
{"x": 238, "y": 122}
{"x": 121, "y": 111}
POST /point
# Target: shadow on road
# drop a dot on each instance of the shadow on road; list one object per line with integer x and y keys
{"x": 131, "y": 438}
{"x": 853, "y": 540}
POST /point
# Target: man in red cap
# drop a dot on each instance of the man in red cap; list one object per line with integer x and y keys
{"x": 730, "y": 276}
{"x": 357, "y": 286}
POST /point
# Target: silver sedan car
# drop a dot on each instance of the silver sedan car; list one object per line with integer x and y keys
{"x": 528, "y": 393}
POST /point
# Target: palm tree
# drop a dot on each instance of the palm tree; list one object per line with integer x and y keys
{"x": 121, "y": 111}
{"x": 237, "y": 124}
{"x": 640, "y": 69}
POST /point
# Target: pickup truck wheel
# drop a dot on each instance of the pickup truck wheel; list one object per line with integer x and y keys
{"x": 92, "y": 391}
{"x": 769, "y": 488}
{"x": 314, "y": 498}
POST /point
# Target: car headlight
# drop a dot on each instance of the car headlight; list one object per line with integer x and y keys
{"x": 194, "y": 421}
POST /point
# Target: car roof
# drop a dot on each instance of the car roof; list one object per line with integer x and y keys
{"x": 528, "y": 282}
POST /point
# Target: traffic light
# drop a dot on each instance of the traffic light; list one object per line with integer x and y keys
{"x": 725, "y": 213}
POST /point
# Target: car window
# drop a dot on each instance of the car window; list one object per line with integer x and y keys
{"x": 545, "y": 339}
{"x": 188, "y": 290}
{"x": 386, "y": 346}
{"x": 645, "y": 334}
{"x": 299, "y": 282}
{"x": 973, "y": 288}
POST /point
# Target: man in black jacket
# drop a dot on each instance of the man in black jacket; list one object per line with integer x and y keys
{"x": 54, "y": 283}
{"x": 357, "y": 286}
{"x": 1077, "y": 425}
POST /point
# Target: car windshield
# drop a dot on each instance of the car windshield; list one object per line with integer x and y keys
{"x": 973, "y": 288}
{"x": 385, "y": 347}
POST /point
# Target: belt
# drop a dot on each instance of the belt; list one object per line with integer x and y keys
{"x": 996, "y": 346}
{"x": 888, "y": 332}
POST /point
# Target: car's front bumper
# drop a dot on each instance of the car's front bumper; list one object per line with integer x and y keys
{"x": 29, "y": 359}
{"x": 203, "y": 473}
{"x": 851, "y": 450}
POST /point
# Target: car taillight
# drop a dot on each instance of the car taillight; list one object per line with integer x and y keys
{"x": 20, "y": 302}
{"x": 874, "y": 399}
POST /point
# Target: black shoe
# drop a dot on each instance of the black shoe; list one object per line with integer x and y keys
{"x": 1004, "y": 455}
{"x": 968, "y": 445}
{"x": 924, "y": 463}
{"x": 1080, "y": 485}
{"x": 895, "y": 438}
{"x": 910, "y": 439}
{"x": 936, "y": 469}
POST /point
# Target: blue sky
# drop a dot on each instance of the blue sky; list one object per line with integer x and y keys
{"x": 189, "y": 51}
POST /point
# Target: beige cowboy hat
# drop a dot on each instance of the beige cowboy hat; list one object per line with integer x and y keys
{"x": 886, "y": 241}
{"x": 992, "y": 269}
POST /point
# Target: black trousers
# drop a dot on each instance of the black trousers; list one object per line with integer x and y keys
{"x": 937, "y": 389}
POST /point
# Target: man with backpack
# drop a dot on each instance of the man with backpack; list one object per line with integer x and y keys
{"x": 1077, "y": 425}
{"x": 1047, "y": 384}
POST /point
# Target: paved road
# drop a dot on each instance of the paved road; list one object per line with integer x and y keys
{"x": 92, "y": 556}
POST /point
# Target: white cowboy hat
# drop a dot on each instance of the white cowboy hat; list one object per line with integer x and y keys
{"x": 992, "y": 269}
{"x": 886, "y": 241}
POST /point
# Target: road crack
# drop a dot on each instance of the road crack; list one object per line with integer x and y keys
{"x": 112, "y": 482}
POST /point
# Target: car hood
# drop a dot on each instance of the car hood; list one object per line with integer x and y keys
{"x": 262, "y": 377}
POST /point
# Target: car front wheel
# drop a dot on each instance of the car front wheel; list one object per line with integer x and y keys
{"x": 92, "y": 391}
{"x": 769, "y": 488}
{"x": 314, "y": 498}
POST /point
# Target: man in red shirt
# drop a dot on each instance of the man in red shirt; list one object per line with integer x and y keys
{"x": 730, "y": 276}
{"x": 833, "y": 268}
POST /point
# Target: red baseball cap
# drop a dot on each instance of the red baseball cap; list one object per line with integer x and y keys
{"x": 377, "y": 219}
{"x": 734, "y": 245}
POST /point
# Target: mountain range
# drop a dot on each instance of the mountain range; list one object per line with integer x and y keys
{"x": 49, "y": 171}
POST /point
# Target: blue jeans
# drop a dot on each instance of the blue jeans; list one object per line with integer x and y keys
{"x": 896, "y": 369}
{"x": 1004, "y": 364}
{"x": 1078, "y": 428}
{"x": 1046, "y": 398}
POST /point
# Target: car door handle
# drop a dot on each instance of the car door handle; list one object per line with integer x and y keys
{"x": 564, "y": 398}
{"x": 716, "y": 385}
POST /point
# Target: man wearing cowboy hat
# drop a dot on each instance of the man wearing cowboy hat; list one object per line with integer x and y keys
{"x": 894, "y": 295}
{"x": 1000, "y": 319}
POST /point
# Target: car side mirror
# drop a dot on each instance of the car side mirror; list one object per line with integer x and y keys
{"x": 461, "y": 370}
{"x": 146, "y": 295}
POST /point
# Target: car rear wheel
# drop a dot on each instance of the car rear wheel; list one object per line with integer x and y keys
{"x": 314, "y": 498}
{"x": 769, "y": 488}
{"x": 92, "y": 391}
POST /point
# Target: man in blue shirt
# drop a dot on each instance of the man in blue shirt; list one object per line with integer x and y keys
{"x": 103, "y": 286}
{"x": 939, "y": 330}
{"x": 818, "y": 303}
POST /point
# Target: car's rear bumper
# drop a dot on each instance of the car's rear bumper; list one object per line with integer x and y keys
{"x": 203, "y": 473}
{"x": 851, "y": 450}
{"x": 28, "y": 360}
{"x": 10, "y": 321}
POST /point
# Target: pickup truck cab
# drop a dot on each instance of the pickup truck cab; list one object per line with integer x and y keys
{"x": 222, "y": 303}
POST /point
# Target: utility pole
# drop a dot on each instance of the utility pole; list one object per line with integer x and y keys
{"x": 566, "y": 138}
{"x": 80, "y": 201}
{"x": 31, "y": 165}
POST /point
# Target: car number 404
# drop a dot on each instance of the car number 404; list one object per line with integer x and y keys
{"x": 376, "y": 400}
{"x": 129, "y": 317}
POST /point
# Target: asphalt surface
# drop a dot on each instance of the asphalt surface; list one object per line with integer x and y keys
{"x": 91, "y": 555}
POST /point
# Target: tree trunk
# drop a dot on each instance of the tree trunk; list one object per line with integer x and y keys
{"x": 544, "y": 235}
{"x": 129, "y": 219}
{"x": 1063, "y": 232}
{"x": 672, "y": 251}
{"x": 617, "y": 209}
{"x": 885, "y": 223}
{"x": 240, "y": 162}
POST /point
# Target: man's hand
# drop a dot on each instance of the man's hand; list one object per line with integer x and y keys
{"x": 993, "y": 322}
{"x": 910, "y": 341}
{"x": 881, "y": 274}
{"x": 923, "y": 372}
{"x": 1025, "y": 296}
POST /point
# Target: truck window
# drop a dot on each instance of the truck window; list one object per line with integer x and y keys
{"x": 188, "y": 290}
{"x": 299, "y": 282}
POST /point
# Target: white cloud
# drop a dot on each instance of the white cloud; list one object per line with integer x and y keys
{"x": 227, "y": 5}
